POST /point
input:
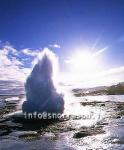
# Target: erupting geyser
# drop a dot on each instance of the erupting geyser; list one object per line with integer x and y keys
{"x": 41, "y": 93}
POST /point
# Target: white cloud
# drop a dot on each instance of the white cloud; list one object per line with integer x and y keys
{"x": 30, "y": 52}
{"x": 4, "y": 60}
{"x": 100, "y": 51}
{"x": 11, "y": 68}
{"x": 55, "y": 45}
{"x": 15, "y": 61}
{"x": 8, "y": 48}
{"x": 8, "y": 56}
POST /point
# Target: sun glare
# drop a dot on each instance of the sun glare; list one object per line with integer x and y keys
{"x": 84, "y": 63}
{"x": 85, "y": 67}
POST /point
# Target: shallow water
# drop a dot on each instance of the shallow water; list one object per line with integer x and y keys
{"x": 101, "y": 126}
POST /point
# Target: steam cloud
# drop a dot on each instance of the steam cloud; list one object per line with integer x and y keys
{"x": 41, "y": 92}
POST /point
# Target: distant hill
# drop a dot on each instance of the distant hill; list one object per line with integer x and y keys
{"x": 117, "y": 89}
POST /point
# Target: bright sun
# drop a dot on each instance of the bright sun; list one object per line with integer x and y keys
{"x": 84, "y": 63}
{"x": 85, "y": 67}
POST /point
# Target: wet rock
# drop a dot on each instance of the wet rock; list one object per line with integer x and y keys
{"x": 78, "y": 94}
{"x": 89, "y": 132}
{"x": 18, "y": 117}
{"x": 2, "y": 104}
{"x": 81, "y": 134}
{"x": 3, "y": 120}
{"x": 28, "y": 135}
{"x": 102, "y": 123}
{"x": 12, "y": 99}
{"x": 118, "y": 117}
{"x": 14, "y": 126}
{"x": 93, "y": 103}
{"x": 120, "y": 113}
{"x": 120, "y": 106}
{"x": 59, "y": 128}
{"x": 50, "y": 135}
{"x": 4, "y": 130}
{"x": 118, "y": 141}
{"x": 11, "y": 105}
{"x": 103, "y": 104}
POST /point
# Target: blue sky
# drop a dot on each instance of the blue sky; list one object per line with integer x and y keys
{"x": 64, "y": 26}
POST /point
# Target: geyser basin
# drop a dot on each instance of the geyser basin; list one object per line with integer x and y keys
{"x": 41, "y": 93}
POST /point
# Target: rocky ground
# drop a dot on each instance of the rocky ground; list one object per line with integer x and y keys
{"x": 106, "y": 133}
